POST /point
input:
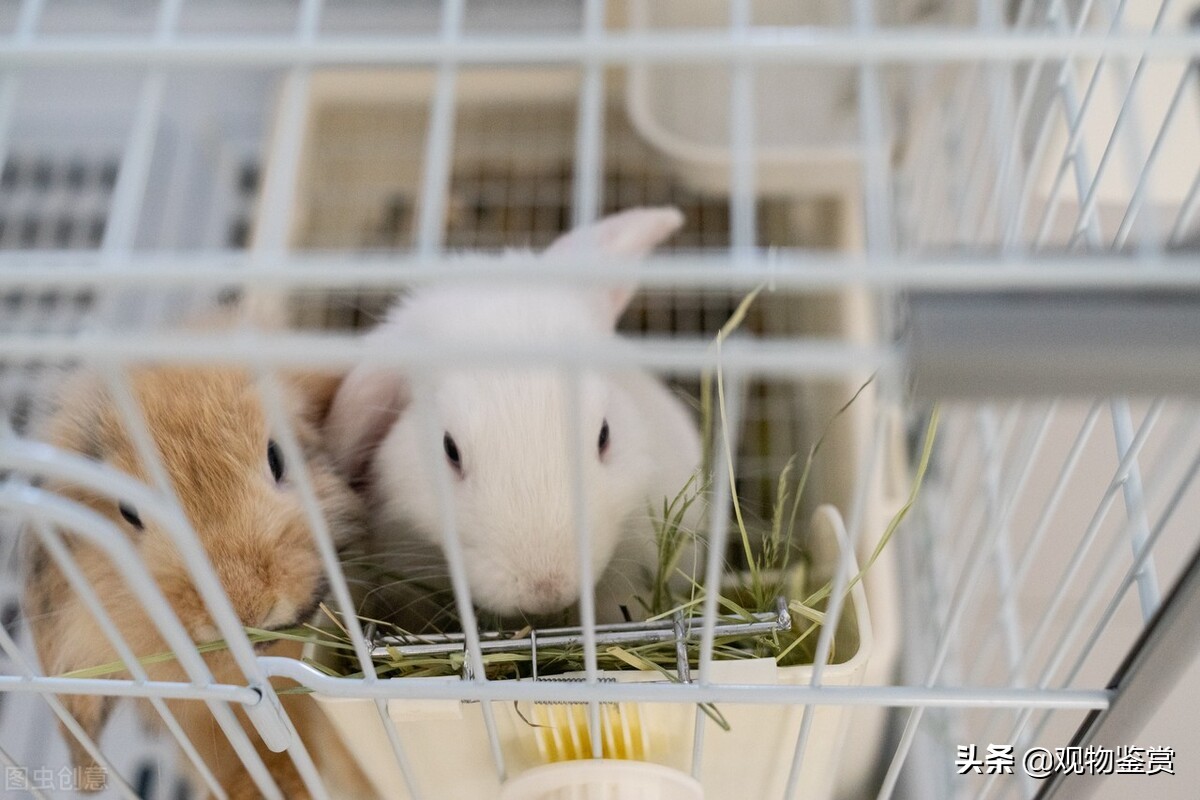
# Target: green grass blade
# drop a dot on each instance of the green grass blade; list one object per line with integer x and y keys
{"x": 898, "y": 517}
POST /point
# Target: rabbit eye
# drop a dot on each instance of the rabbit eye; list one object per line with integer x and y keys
{"x": 275, "y": 460}
{"x": 452, "y": 452}
{"x": 131, "y": 516}
{"x": 603, "y": 444}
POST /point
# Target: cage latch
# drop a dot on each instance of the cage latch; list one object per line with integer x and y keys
{"x": 267, "y": 717}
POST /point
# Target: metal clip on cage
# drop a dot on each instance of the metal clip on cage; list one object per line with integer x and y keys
{"x": 677, "y": 628}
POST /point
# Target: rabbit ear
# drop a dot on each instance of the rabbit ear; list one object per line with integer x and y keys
{"x": 629, "y": 234}
{"x": 318, "y": 390}
{"x": 364, "y": 409}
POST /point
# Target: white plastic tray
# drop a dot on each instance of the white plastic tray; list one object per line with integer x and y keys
{"x": 805, "y": 117}
{"x": 447, "y": 743}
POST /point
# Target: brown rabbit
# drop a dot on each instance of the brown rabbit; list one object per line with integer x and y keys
{"x": 231, "y": 479}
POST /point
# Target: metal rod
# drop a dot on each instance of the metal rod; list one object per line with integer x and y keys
{"x": 1128, "y": 580}
{"x": 1074, "y": 151}
{"x": 846, "y": 570}
{"x": 1137, "y": 198}
{"x": 279, "y": 191}
{"x": 1088, "y": 201}
{"x": 1135, "y": 508}
{"x": 1090, "y": 534}
{"x": 589, "y": 126}
{"x": 65, "y": 561}
{"x": 1008, "y": 219}
{"x": 1187, "y": 210}
{"x": 816, "y": 357}
{"x": 129, "y": 194}
{"x": 671, "y": 692}
{"x": 1143, "y": 554}
{"x": 267, "y": 718}
{"x": 729, "y": 386}
{"x": 452, "y": 547}
{"x": 576, "y": 433}
{"x": 10, "y": 763}
{"x": 965, "y": 589}
{"x": 787, "y": 269}
{"x": 1167, "y": 647}
{"x": 743, "y": 162}
{"x": 39, "y": 504}
{"x": 1083, "y": 611}
{"x": 439, "y": 137}
{"x": 27, "y": 20}
{"x": 280, "y": 423}
{"x": 29, "y": 678}
{"x": 1033, "y": 546}
{"x": 117, "y": 687}
{"x": 793, "y": 45}
{"x": 625, "y": 633}
{"x": 1022, "y": 343}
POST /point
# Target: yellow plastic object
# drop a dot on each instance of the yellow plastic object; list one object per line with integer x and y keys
{"x": 563, "y": 734}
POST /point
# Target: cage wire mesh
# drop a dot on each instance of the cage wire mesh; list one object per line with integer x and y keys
{"x": 162, "y": 158}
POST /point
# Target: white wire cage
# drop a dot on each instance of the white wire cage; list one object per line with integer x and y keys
{"x": 980, "y": 204}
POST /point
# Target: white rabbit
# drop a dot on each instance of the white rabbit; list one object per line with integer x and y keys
{"x": 502, "y": 436}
